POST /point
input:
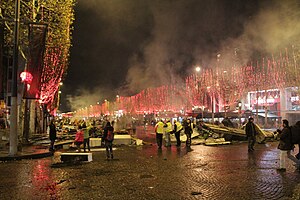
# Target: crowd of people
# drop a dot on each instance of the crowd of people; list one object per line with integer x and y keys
{"x": 83, "y": 134}
{"x": 289, "y": 137}
{"x": 165, "y": 128}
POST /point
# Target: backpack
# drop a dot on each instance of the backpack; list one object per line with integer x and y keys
{"x": 295, "y": 134}
{"x": 110, "y": 135}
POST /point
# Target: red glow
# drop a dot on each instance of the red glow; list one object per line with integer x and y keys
{"x": 227, "y": 85}
{"x": 26, "y": 77}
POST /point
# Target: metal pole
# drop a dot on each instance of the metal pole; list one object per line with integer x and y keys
{"x": 13, "y": 134}
{"x": 213, "y": 108}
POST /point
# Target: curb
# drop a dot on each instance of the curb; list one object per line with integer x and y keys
{"x": 28, "y": 156}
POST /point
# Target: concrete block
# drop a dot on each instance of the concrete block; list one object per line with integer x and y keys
{"x": 74, "y": 157}
{"x": 95, "y": 142}
{"x": 122, "y": 139}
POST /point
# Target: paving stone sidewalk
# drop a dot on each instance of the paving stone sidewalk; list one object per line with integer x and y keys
{"x": 218, "y": 172}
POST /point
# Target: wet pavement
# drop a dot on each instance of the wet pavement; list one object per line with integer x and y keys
{"x": 143, "y": 172}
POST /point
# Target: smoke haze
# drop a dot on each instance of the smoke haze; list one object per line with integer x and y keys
{"x": 126, "y": 46}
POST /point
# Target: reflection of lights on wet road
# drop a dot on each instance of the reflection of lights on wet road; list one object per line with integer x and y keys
{"x": 41, "y": 179}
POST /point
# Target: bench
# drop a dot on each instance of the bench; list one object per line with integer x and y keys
{"x": 76, "y": 157}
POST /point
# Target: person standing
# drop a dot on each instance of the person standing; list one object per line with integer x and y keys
{"x": 251, "y": 134}
{"x": 108, "y": 138}
{"x": 159, "y": 130}
{"x": 296, "y": 137}
{"x": 188, "y": 130}
{"x": 168, "y": 131}
{"x": 285, "y": 145}
{"x": 177, "y": 129}
{"x": 86, "y": 137}
{"x": 52, "y": 134}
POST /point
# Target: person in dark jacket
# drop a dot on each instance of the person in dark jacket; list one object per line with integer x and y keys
{"x": 297, "y": 137}
{"x": 188, "y": 130}
{"x": 285, "y": 145}
{"x": 52, "y": 134}
{"x": 108, "y": 137}
{"x": 251, "y": 134}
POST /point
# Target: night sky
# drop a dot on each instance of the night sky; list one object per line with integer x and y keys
{"x": 124, "y": 46}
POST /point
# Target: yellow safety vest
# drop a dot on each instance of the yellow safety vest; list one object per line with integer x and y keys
{"x": 179, "y": 126}
{"x": 159, "y": 128}
{"x": 169, "y": 127}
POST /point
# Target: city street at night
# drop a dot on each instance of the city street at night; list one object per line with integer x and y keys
{"x": 145, "y": 99}
{"x": 143, "y": 172}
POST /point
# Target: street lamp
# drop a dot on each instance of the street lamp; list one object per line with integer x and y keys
{"x": 198, "y": 69}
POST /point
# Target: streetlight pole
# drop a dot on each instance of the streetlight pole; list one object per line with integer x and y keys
{"x": 13, "y": 133}
{"x": 240, "y": 113}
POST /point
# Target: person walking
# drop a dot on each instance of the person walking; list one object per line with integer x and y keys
{"x": 251, "y": 134}
{"x": 188, "y": 130}
{"x": 159, "y": 130}
{"x": 52, "y": 135}
{"x": 108, "y": 138}
{"x": 86, "y": 138}
{"x": 177, "y": 130}
{"x": 168, "y": 132}
{"x": 285, "y": 145}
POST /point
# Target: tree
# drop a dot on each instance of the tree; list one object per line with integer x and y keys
{"x": 59, "y": 15}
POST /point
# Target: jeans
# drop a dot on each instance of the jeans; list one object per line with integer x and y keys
{"x": 109, "y": 150}
{"x": 86, "y": 141}
{"x": 159, "y": 139}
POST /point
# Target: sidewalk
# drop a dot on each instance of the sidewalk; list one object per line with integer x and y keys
{"x": 38, "y": 147}
{"x": 28, "y": 152}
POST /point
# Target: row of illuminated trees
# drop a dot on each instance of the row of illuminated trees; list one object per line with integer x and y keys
{"x": 218, "y": 88}
{"x": 43, "y": 60}
{"x": 59, "y": 16}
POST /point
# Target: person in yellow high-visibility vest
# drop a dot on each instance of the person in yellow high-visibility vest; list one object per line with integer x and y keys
{"x": 159, "y": 130}
{"x": 177, "y": 130}
{"x": 168, "y": 132}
